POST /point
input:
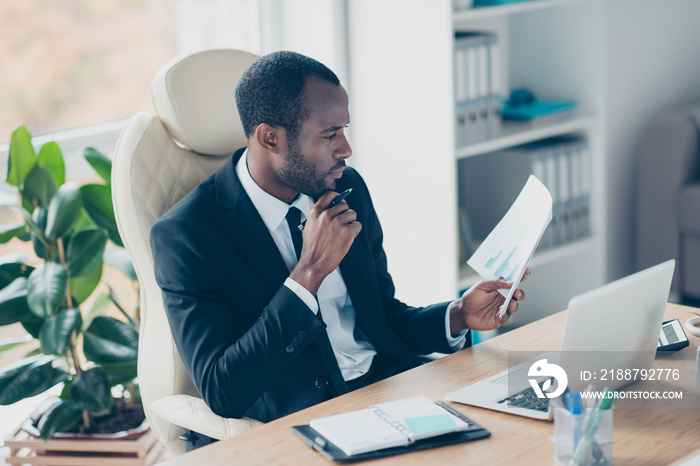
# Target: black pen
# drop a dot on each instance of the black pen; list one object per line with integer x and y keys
{"x": 336, "y": 200}
{"x": 339, "y": 198}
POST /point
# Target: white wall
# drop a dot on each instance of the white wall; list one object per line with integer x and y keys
{"x": 652, "y": 67}
{"x": 316, "y": 28}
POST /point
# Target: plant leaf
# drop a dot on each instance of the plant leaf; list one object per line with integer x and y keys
{"x": 64, "y": 211}
{"x": 13, "y": 302}
{"x": 39, "y": 185}
{"x": 33, "y": 325}
{"x": 83, "y": 221}
{"x": 120, "y": 374}
{"x": 90, "y": 391}
{"x": 61, "y": 417}
{"x": 10, "y": 271}
{"x": 27, "y": 378}
{"x": 58, "y": 376}
{"x": 51, "y": 158}
{"x": 10, "y": 230}
{"x": 120, "y": 260}
{"x": 22, "y": 157}
{"x": 39, "y": 216}
{"x": 29, "y": 221}
{"x": 85, "y": 250}
{"x": 99, "y": 306}
{"x": 82, "y": 287}
{"x": 13, "y": 257}
{"x": 110, "y": 341}
{"x": 101, "y": 164}
{"x": 10, "y": 344}
{"x": 65, "y": 392}
{"x": 46, "y": 289}
{"x": 56, "y": 332}
{"x": 97, "y": 200}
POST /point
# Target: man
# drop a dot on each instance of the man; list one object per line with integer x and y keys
{"x": 267, "y": 319}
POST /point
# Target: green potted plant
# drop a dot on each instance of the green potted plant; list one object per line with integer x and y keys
{"x": 93, "y": 354}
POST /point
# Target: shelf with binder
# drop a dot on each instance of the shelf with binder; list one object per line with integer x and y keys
{"x": 514, "y": 133}
{"x": 484, "y": 12}
{"x": 488, "y": 184}
{"x": 551, "y": 47}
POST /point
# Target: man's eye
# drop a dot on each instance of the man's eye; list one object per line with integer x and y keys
{"x": 330, "y": 136}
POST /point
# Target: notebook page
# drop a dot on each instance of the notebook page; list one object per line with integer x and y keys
{"x": 422, "y": 417}
{"x": 358, "y": 432}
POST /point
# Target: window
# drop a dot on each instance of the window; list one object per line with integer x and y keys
{"x": 78, "y": 63}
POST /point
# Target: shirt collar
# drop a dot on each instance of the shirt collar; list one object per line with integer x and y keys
{"x": 272, "y": 210}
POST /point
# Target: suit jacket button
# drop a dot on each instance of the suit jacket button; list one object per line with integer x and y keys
{"x": 289, "y": 348}
{"x": 320, "y": 383}
{"x": 302, "y": 335}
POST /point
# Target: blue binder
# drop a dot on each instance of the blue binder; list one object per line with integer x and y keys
{"x": 496, "y": 2}
{"x": 524, "y": 106}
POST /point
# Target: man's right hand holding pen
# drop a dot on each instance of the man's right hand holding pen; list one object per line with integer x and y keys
{"x": 328, "y": 234}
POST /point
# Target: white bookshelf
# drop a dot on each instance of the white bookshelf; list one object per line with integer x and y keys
{"x": 517, "y": 133}
{"x": 483, "y": 12}
{"x": 403, "y": 131}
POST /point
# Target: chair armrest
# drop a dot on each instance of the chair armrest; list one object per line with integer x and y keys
{"x": 193, "y": 413}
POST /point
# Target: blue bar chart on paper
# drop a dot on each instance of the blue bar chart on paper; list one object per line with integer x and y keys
{"x": 507, "y": 250}
{"x": 499, "y": 269}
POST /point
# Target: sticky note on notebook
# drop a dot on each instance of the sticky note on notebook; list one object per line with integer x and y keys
{"x": 426, "y": 424}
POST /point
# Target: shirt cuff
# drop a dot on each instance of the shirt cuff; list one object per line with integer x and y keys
{"x": 303, "y": 294}
{"x": 455, "y": 343}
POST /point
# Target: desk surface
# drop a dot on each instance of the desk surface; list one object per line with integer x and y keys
{"x": 641, "y": 436}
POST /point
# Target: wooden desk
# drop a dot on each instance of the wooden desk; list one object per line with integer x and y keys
{"x": 641, "y": 436}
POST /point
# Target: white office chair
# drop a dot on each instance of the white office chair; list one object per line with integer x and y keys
{"x": 158, "y": 159}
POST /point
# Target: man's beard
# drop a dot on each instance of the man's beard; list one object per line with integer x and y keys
{"x": 299, "y": 174}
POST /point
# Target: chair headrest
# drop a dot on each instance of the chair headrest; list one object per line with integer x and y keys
{"x": 194, "y": 97}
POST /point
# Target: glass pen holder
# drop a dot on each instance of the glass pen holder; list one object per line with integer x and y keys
{"x": 585, "y": 438}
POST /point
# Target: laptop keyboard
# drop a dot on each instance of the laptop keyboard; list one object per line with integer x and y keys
{"x": 527, "y": 399}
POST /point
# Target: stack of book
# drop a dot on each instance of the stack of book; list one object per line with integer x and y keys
{"x": 477, "y": 87}
{"x": 490, "y": 183}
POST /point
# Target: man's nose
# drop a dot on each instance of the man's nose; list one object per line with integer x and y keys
{"x": 344, "y": 151}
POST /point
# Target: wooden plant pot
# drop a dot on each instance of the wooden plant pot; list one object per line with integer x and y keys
{"x": 133, "y": 447}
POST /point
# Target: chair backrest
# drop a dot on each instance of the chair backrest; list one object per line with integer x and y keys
{"x": 158, "y": 159}
{"x": 667, "y": 160}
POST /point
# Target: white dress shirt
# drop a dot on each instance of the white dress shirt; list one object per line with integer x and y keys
{"x": 353, "y": 352}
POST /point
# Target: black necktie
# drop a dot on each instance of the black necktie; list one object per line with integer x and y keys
{"x": 294, "y": 221}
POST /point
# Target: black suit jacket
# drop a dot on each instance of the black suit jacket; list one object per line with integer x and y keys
{"x": 251, "y": 346}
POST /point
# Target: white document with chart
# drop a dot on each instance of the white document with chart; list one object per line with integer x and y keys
{"x": 507, "y": 250}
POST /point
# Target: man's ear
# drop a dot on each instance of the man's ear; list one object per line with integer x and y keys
{"x": 269, "y": 137}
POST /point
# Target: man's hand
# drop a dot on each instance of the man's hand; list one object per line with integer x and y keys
{"x": 478, "y": 307}
{"x": 328, "y": 235}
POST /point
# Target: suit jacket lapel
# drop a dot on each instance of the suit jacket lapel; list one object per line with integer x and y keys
{"x": 368, "y": 305}
{"x": 246, "y": 227}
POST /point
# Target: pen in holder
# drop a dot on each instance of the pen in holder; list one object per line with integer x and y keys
{"x": 583, "y": 435}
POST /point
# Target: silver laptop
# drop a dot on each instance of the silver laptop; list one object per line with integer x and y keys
{"x": 622, "y": 318}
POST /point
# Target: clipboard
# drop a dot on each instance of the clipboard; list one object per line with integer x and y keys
{"x": 322, "y": 445}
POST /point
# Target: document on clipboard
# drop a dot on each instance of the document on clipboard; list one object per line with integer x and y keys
{"x": 507, "y": 250}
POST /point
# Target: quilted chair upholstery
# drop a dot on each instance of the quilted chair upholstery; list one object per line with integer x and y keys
{"x": 158, "y": 159}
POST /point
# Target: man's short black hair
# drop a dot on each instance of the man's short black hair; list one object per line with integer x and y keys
{"x": 270, "y": 91}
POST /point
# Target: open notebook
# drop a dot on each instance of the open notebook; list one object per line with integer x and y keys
{"x": 392, "y": 427}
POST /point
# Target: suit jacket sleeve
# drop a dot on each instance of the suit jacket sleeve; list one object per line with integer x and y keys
{"x": 230, "y": 365}
{"x": 422, "y": 329}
